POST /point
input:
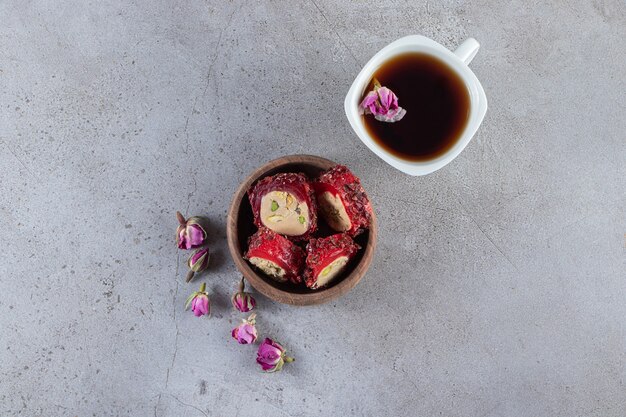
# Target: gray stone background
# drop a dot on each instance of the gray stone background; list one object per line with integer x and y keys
{"x": 498, "y": 287}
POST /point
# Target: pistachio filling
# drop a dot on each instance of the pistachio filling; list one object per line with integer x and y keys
{"x": 334, "y": 212}
{"x": 269, "y": 268}
{"x": 331, "y": 271}
{"x": 283, "y": 213}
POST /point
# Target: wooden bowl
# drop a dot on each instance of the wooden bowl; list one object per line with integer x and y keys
{"x": 240, "y": 227}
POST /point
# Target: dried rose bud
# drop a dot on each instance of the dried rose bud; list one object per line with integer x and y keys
{"x": 199, "y": 300}
{"x": 197, "y": 262}
{"x": 243, "y": 301}
{"x": 271, "y": 356}
{"x": 245, "y": 333}
{"x": 382, "y": 103}
{"x": 190, "y": 233}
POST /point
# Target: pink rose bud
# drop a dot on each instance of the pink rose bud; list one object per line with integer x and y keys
{"x": 243, "y": 301}
{"x": 190, "y": 233}
{"x": 383, "y": 104}
{"x": 271, "y": 356}
{"x": 199, "y": 300}
{"x": 197, "y": 262}
{"x": 245, "y": 333}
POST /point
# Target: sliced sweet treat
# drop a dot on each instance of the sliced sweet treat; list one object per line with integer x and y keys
{"x": 285, "y": 203}
{"x": 326, "y": 258}
{"x": 342, "y": 201}
{"x": 275, "y": 255}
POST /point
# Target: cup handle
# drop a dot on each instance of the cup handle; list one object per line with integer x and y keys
{"x": 467, "y": 50}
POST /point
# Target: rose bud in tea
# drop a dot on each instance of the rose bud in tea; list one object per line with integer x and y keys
{"x": 285, "y": 203}
{"x": 342, "y": 201}
{"x": 326, "y": 258}
{"x": 275, "y": 255}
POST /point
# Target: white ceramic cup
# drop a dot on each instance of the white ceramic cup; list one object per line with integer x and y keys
{"x": 458, "y": 61}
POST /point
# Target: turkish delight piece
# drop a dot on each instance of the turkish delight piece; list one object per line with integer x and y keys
{"x": 326, "y": 258}
{"x": 275, "y": 255}
{"x": 342, "y": 201}
{"x": 285, "y": 203}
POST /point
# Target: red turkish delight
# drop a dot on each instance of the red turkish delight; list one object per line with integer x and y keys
{"x": 326, "y": 258}
{"x": 285, "y": 203}
{"x": 275, "y": 255}
{"x": 342, "y": 201}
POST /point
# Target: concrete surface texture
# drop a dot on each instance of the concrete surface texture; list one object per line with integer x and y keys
{"x": 499, "y": 283}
